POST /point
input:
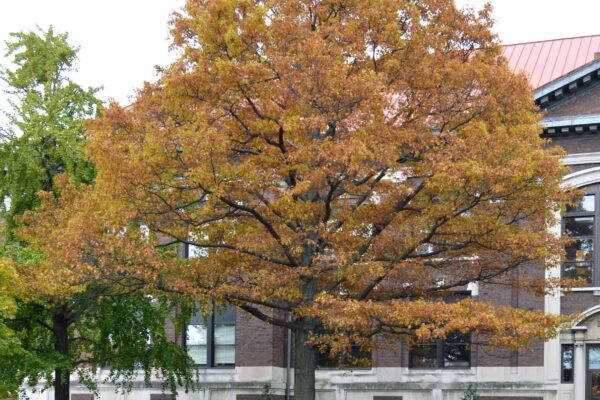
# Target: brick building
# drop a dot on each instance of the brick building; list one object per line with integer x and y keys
{"x": 241, "y": 358}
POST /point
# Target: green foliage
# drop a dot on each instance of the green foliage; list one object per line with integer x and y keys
{"x": 30, "y": 356}
{"x": 45, "y": 131}
{"x": 125, "y": 334}
{"x": 471, "y": 393}
{"x": 117, "y": 327}
{"x": 139, "y": 341}
{"x": 266, "y": 392}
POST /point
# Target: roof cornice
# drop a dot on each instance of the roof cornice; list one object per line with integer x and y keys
{"x": 565, "y": 126}
{"x": 568, "y": 83}
{"x": 571, "y": 120}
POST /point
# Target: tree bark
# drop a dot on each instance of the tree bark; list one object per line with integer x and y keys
{"x": 62, "y": 376}
{"x": 305, "y": 361}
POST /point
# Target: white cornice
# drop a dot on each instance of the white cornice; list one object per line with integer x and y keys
{"x": 581, "y": 158}
{"x": 582, "y": 178}
{"x": 564, "y": 80}
{"x": 571, "y": 121}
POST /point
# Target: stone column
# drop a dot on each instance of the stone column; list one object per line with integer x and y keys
{"x": 552, "y": 352}
{"x": 579, "y": 363}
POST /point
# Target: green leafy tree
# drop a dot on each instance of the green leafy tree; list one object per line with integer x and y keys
{"x": 471, "y": 393}
{"x": 45, "y": 128}
{"x": 51, "y": 329}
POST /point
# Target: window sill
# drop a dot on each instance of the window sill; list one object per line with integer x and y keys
{"x": 441, "y": 371}
{"x": 345, "y": 372}
{"x": 586, "y": 289}
{"x": 215, "y": 370}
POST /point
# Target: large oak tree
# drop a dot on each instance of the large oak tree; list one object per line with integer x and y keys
{"x": 343, "y": 164}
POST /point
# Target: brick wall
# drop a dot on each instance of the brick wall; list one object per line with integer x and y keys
{"x": 388, "y": 352}
{"x": 258, "y": 343}
{"x": 576, "y": 302}
{"x": 578, "y": 144}
{"x": 503, "y": 295}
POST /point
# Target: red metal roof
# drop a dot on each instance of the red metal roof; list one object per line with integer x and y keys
{"x": 547, "y": 60}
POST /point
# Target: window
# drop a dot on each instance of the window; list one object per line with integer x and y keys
{"x": 210, "y": 340}
{"x": 566, "y": 363}
{"x": 453, "y": 352}
{"x": 357, "y": 358}
{"x": 579, "y": 224}
{"x": 192, "y": 251}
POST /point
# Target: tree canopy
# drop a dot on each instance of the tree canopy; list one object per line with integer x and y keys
{"x": 45, "y": 128}
{"x": 343, "y": 165}
{"x": 52, "y": 326}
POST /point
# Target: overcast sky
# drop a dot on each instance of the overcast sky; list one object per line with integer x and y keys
{"x": 122, "y": 40}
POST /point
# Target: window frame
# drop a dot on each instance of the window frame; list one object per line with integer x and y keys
{"x": 211, "y": 323}
{"x": 220, "y": 315}
{"x": 441, "y": 344}
{"x": 355, "y": 348}
{"x": 440, "y": 347}
{"x": 564, "y": 346}
{"x": 593, "y": 189}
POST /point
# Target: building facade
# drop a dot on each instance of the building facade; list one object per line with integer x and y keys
{"x": 241, "y": 358}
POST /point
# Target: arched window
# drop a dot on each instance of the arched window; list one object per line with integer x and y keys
{"x": 580, "y": 224}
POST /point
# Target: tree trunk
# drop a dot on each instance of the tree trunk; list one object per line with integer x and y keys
{"x": 305, "y": 361}
{"x": 62, "y": 376}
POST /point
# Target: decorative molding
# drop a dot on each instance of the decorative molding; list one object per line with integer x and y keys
{"x": 582, "y": 178}
{"x": 585, "y": 315}
{"x": 159, "y": 396}
{"x": 586, "y": 289}
{"x": 82, "y": 396}
{"x": 571, "y": 120}
{"x": 581, "y": 158}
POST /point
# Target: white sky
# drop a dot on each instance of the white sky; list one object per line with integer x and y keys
{"x": 531, "y": 20}
{"x": 122, "y": 40}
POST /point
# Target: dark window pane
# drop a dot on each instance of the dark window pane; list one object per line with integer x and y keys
{"x": 585, "y": 205}
{"x": 456, "y": 338}
{"x": 567, "y": 363}
{"x": 455, "y": 297}
{"x": 575, "y": 270}
{"x": 324, "y": 361}
{"x": 224, "y": 314}
{"x": 356, "y": 358}
{"x": 359, "y": 357}
{"x": 456, "y": 355}
{"x": 595, "y": 386}
{"x": 579, "y": 226}
{"x": 423, "y": 356}
{"x": 580, "y": 250}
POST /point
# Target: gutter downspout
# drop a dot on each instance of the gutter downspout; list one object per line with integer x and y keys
{"x": 288, "y": 361}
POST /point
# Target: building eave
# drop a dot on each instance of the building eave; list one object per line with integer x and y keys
{"x": 576, "y": 124}
{"x": 568, "y": 83}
